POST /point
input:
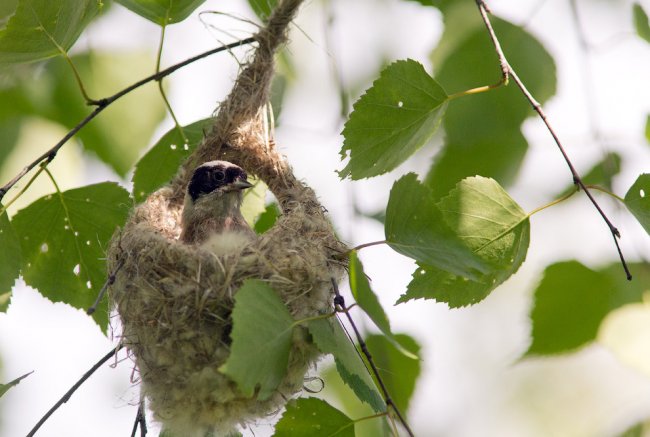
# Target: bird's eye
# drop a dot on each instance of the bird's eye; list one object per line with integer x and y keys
{"x": 219, "y": 176}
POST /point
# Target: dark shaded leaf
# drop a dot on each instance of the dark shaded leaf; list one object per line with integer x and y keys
{"x": 315, "y": 418}
{"x": 64, "y": 238}
{"x": 162, "y": 12}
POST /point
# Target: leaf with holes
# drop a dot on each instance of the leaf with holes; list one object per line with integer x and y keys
{"x": 367, "y": 300}
{"x": 637, "y": 200}
{"x": 393, "y": 119}
{"x": 493, "y": 226}
{"x": 159, "y": 165}
{"x": 315, "y": 418}
{"x": 41, "y": 29}
{"x": 162, "y": 12}
{"x": 330, "y": 338}
{"x": 641, "y": 23}
{"x": 10, "y": 259}
{"x": 261, "y": 339}
{"x": 415, "y": 228}
{"x": 64, "y": 238}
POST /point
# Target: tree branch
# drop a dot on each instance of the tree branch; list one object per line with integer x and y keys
{"x": 508, "y": 71}
{"x": 48, "y": 156}
{"x": 66, "y": 397}
{"x": 339, "y": 301}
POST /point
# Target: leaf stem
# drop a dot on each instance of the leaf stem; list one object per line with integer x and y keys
{"x": 477, "y": 90}
{"x": 160, "y": 82}
{"x": 3, "y": 208}
{"x": 102, "y": 104}
{"x": 555, "y": 202}
{"x": 310, "y": 319}
{"x": 508, "y": 72}
{"x": 372, "y": 243}
{"x": 606, "y": 191}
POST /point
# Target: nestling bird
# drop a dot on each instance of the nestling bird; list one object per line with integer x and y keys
{"x": 211, "y": 215}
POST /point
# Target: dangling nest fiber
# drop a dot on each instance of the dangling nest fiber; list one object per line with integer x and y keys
{"x": 175, "y": 300}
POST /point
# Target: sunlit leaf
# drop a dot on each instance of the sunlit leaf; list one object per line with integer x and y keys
{"x": 64, "y": 238}
{"x": 5, "y": 387}
{"x": 393, "y": 119}
{"x": 491, "y": 224}
{"x": 10, "y": 259}
{"x": 162, "y": 12}
{"x": 254, "y": 201}
{"x": 399, "y": 373}
{"x": 41, "y": 29}
{"x": 330, "y": 338}
{"x": 159, "y": 165}
{"x": 637, "y": 200}
{"x": 415, "y": 228}
{"x": 483, "y": 131}
{"x": 641, "y": 23}
{"x": 315, "y": 418}
{"x": 261, "y": 339}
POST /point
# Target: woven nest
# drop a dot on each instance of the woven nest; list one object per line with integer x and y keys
{"x": 175, "y": 300}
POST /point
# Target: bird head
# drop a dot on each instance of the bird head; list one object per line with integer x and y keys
{"x": 213, "y": 200}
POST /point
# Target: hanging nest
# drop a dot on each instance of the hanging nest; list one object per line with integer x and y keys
{"x": 175, "y": 300}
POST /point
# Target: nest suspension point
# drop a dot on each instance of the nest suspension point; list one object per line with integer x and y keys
{"x": 175, "y": 300}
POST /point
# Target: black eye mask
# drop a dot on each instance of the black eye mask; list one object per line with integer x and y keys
{"x": 207, "y": 179}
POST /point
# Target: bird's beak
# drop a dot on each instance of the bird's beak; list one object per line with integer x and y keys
{"x": 240, "y": 185}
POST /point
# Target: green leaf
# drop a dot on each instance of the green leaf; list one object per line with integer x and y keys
{"x": 122, "y": 130}
{"x": 254, "y": 199}
{"x": 267, "y": 219}
{"x": 64, "y": 238}
{"x": 493, "y": 226}
{"x": 600, "y": 174}
{"x": 415, "y": 228}
{"x": 263, "y": 8}
{"x": 7, "y": 9}
{"x": 5, "y": 387}
{"x": 641, "y": 23}
{"x": 570, "y": 303}
{"x": 261, "y": 339}
{"x": 10, "y": 259}
{"x": 647, "y": 129}
{"x": 367, "y": 300}
{"x": 330, "y": 338}
{"x": 398, "y": 372}
{"x": 162, "y": 12}
{"x": 634, "y": 431}
{"x": 41, "y": 29}
{"x": 159, "y": 165}
{"x": 637, "y": 200}
{"x": 393, "y": 119}
{"x": 483, "y": 131}
{"x": 315, "y": 418}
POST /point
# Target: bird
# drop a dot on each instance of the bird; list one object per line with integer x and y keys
{"x": 211, "y": 215}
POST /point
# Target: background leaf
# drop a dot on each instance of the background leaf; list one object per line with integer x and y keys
{"x": 393, "y": 119}
{"x": 254, "y": 199}
{"x": 41, "y": 29}
{"x": 162, "y": 12}
{"x": 267, "y": 219}
{"x": 637, "y": 200}
{"x": 399, "y": 372}
{"x": 572, "y": 300}
{"x": 64, "y": 238}
{"x": 489, "y": 223}
{"x": 313, "y": 417}
{"x": 159, "y": 165}
{"x": 641, "y": 23}
{"x": 330, "y": 338}
{"x": 601, "y": 173}
{"x": 10, "y": 259}
{"x": 415, "y": 228}
{"x": 262, "y": 8}
{"x": 483, "y": 132}
{"x": 261, "y": 339}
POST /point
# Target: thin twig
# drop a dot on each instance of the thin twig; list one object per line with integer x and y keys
{"x": 109, "y": 281}
{"x": 66, "y": 397}
{"x": 48, "y": 156}
{"x": 509, "y": 71}
{"x": 140, "y": 421}
{"x": 339, "y": 301}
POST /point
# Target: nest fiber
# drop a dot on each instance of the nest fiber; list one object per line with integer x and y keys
{"x": 175, "y": 300}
